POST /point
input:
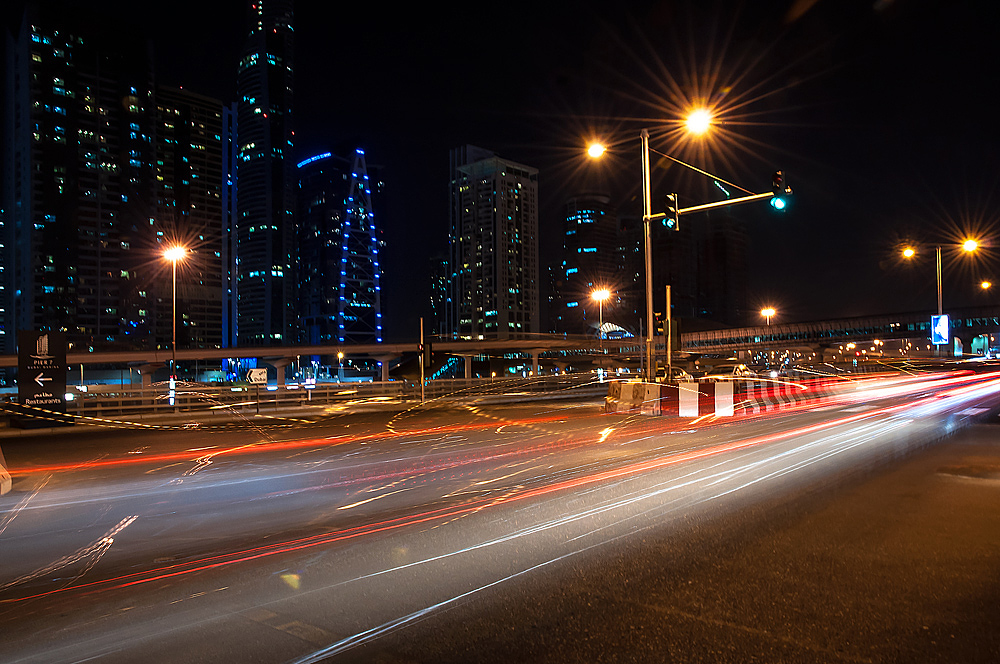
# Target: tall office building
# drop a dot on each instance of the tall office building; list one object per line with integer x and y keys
{"x": 189, "y": 182}
{"x": 590, "y": 261}
{"x": 230, "y": 291}
{"x": 79, "y": 196}
{"x": 493, "y": 244}
{"x": 265, "y": 225}
{"x": 340, "y": 291}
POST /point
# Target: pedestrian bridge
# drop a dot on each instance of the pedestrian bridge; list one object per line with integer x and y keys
{"x": 966, "y": 324}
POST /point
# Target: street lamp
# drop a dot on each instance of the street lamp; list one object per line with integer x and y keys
{"x": 767, "y": 313}
{"x": 698, "y": 122}
{"x": 601, "y": 295}
{"x": 968, "y": 246}
{"x": 174, "y": 254}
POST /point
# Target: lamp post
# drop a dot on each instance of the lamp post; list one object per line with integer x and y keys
{"x": 699, "y": 121}
{"x": 968, "y": 246}
{"x": 601, "y": 295}
{"x": 174, "y": 254}
{"x": 767, "y": 313}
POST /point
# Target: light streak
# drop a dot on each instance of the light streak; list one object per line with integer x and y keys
{"x": 368, "y": 500}
{"x": 21, "y": 504}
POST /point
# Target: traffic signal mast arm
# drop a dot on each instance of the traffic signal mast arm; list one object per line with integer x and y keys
{"x": 779, "y": 190}
{"x": 708, "y": 206}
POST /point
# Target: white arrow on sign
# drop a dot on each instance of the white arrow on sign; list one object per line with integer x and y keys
{"x": 41, "y": 379}
{"x": 257, "y": 376}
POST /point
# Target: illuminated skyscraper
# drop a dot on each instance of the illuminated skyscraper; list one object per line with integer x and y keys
{"x": 189, "y": 209}
{"x": 78, "y": 197}
{"x": 265, "y": 225}
{"x": 340, "y": 291}
{"x": 493, "y": 247}
{"x": 590, "y": 261}
{"x": 230, "y": 293}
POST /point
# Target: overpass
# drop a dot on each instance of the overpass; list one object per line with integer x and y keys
{"x": 966, "y": 324}
{"x": 565, "y": 349}
{"x": 559, "y": 347}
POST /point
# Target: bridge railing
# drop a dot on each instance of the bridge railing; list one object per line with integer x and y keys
{"x": 132, "y": 403}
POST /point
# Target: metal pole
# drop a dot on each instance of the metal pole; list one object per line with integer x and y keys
{"x": 668, "y": 337}
{"x": 600, "y": 319}
{"x": 173, "y": 344}
{"x": 940, "y": 307}
{"x": 647, "y": 211}
{"x": 421, "y": 359}
{"x": 937, "y": 347}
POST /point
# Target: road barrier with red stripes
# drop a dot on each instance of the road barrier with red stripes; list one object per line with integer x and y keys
{"x": 720, "y": 398}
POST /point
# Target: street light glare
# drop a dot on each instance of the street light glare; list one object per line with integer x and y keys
{"x": 768, "y": 312}
{"x": 596, "y": 150}
{"x": 174, "y": 254}
{"x": 970, "y": 245}
{"x": 699, "y": 121}
{"x": 986, "y": 285}
{"x": 601, "y": 295}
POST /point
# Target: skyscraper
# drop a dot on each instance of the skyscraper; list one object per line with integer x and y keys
{"x": 340, "y": 291}
{"x": 493, "y": 247}
{"x": 78, "y": 196}
{"x": 590, "y": 261}
{"x": 230, "y": 293}
{"x": 265, "y": 227}
{"x": 189, "y": 208}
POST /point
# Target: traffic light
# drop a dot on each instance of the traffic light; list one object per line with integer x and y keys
{"x": 425, "y": 355}
{"x": 782, "y": 192}
{"x": 672, "y": 220}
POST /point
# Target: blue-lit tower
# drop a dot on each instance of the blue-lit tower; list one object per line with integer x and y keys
{"x": 339, "y": 289}
{"x": 265, "y": 224}
{"x": 359, "y": 314}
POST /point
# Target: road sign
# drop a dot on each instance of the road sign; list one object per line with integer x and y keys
{"x": 41, "y": 376}
{"x": 257, "y": 376}
{"x": 940, "y": 330}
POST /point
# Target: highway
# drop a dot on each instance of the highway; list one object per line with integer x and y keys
{"x": 296, "y": 541}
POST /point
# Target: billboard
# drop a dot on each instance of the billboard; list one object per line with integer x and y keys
{"x": 940, "y": 330}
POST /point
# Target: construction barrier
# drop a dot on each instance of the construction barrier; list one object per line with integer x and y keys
{"x": 720, "y": 398}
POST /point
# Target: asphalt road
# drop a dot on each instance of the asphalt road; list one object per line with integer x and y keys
{"x": 499, "y": 533}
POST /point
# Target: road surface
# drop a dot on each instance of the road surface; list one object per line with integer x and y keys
{"x": 301, "y": 542}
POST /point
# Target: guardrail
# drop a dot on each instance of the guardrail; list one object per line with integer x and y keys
{"x": 133, "y": 403}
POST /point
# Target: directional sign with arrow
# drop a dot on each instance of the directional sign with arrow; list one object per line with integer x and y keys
{"x": 41, "y": 376}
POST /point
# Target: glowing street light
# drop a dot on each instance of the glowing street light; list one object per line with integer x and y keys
{"x": 767, "y": 313}
{"x": 596, "y": 150}
{"x": 601, "y": 295}
{"x": 986, "y": 285}
{"x": 699, "y": 121}
{"x": 174, "y": 254}
{"x": 969, "y": 246}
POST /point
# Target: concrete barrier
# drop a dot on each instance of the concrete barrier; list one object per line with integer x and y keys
{"x": 722, "y": 398}
{"x": 5, "y": 481}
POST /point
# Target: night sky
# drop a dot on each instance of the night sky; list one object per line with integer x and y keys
{"x": 880, "y": 113}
